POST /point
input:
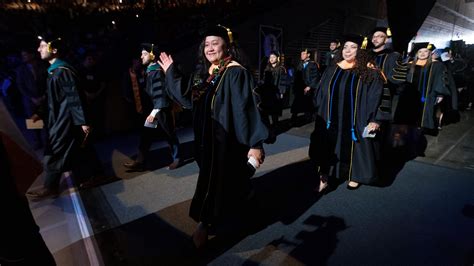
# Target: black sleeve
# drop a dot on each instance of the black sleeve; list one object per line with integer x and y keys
{"x": 440, "y": 78}
{"x": 399, "y": 72}
{"x": 283, "y": 82}
{"x": 156, "y": 89}
{"x": 314, "y": 75}
{"x": 178, "y": 87}
{"x": 248, "y": 125}
{"x": 375, "y": 91}
{"x": 67, "y": 81}
{"x": 390, "y": 65}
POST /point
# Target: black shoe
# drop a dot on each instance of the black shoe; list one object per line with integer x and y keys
{"x": 175, "y": 164}
{"x": 135, "y": 166}
{"x": 42, "y": 193}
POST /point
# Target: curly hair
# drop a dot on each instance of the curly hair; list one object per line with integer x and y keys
{"x": 362, "y": 60}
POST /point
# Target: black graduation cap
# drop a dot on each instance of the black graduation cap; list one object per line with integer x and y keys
{"x": 431, "y": 47}
{"x": 220, "y": 31}
{"x": 306, "y": 50}
{"x": 151, "y": 48}
{"x": 275, "y": 53}
{"x": 335, "y": 41}
{"x": 419, "y": 45}
{"x": 54, "y": 41}
{"x": 360, "y": 40}
{"x": 381, "y": 29}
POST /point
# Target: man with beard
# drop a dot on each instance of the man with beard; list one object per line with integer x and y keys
{"x": 385, "y": 60}
{"x": 160, "y": 121}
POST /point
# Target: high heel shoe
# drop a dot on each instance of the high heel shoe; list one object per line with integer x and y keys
{"x": 353, "y": 185}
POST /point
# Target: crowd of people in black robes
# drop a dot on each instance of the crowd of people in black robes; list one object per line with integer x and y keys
{"x": 362, "y": 102}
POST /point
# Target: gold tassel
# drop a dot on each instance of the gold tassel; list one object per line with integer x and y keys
{"x": 429, "y": 47}
{"x": 152, "y": 55}
{"x": 364, "y": 43}
{"x": 229, "y": 33}
{"x": 389, "y": 33}
{"x": 50, "y": 49}
{"x": 231, "y": 38}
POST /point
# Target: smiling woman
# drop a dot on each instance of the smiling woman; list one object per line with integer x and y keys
{"x": 427, "y": 83}
{"x": 347, "y": 101}
{"x": 228, "y": 130}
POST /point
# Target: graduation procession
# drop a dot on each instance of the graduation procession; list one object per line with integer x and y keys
{"x": 236, "y": 132}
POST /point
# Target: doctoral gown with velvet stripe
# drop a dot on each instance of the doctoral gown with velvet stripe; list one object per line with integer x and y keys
{"x": 423, "y": 84}
{"x": 63, "y": 114}
{"x": 333, "y": 147}
{"x": 155, "y": 88}
{"x": 227, "y": 124}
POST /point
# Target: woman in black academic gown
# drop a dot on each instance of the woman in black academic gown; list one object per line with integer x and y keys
{"x": 347, "y": 101}
{"x": 228, "y": 129}
{"x": 271, "y": 93}
{"x": 427, "y": 83}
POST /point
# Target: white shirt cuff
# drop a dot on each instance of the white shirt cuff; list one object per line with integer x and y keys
{"x": 154, "y": 112}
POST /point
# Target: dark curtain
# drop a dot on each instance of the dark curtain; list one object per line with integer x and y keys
{"x": 405, "y": 18}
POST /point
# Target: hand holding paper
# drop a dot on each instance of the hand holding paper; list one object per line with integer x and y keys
{"x": 34, "y": 124}
{"x": 370, "y": 130}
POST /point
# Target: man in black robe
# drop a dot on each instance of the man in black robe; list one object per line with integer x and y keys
{"x": 306, "y": 81}
{"x": 329, "y": 55}
{"x": 385, "y": 60}
{"x": 65, "y": 120}
{"x": 160, "y": 120}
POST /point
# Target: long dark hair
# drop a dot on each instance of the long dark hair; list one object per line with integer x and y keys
{"x": 361, "y": 69}
{"x": 232, "y": 49}
{"x": 269, "y": 66}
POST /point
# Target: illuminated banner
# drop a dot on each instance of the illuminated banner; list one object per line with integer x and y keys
{"x": 270, "y": 39}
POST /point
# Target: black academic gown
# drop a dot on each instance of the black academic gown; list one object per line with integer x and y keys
{"x": 386, "y": 61}
{"x": 334, "y": 147}
{"x": 305, "y": 76}
{"x": 227, "y": 124}
{"x": 63, "y": 115}
{"x": 274, "y": 85}
{"x": 329, "y": 58}
{"x": 155, "y": 88}
{"x": 423, "y": 84}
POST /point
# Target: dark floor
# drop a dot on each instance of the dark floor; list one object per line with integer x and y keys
{"x": 421, "y": 214}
